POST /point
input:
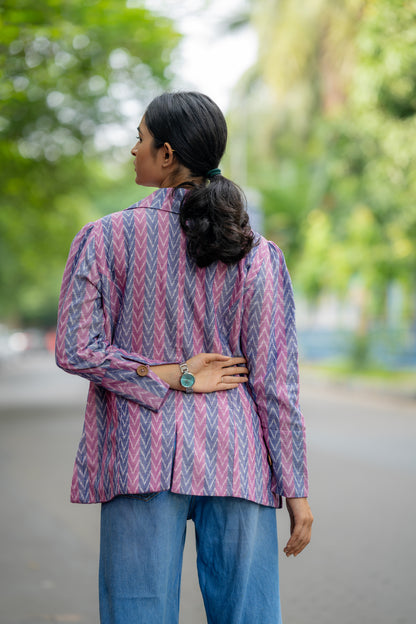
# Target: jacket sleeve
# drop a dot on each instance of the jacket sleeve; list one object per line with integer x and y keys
{"x": 269, "y": 343}
{"x": 83, "y": 340}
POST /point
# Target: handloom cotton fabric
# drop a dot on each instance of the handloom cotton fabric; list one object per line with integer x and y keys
{"x": 131, "y": 295}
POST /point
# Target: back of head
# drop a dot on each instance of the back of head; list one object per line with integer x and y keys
{"x": 213, "y": 213}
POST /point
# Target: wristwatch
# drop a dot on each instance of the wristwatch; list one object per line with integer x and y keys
{"x": 186, "y": 380}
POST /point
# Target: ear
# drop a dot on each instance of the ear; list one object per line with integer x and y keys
{"x": 168, "y": 155}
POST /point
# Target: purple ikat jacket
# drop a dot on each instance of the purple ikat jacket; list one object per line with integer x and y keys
{"x": 132, "y": 295}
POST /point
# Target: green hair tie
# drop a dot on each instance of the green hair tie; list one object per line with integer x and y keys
{"x": 213, "y": 172}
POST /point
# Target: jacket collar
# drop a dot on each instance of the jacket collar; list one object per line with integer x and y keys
{"x": 166, "y": 199}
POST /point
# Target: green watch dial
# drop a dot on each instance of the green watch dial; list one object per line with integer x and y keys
{"x": 187, "y": 380}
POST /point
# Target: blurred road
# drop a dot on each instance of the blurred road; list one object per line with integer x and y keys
{"x": 359, "y": 569}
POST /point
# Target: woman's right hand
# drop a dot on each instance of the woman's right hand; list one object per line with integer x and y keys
{"x": 214, "y": 372}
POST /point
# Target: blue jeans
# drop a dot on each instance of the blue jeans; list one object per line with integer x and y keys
{"x": 142, "y": 540}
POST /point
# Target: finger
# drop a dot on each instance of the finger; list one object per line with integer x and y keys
{"x": 212, "y": 357}
{"x": 230, "y": 386}
{"x": 233, "y": 361}
{"x": 295, "y": 550}
{"x": 297, "y": 542}
{"x": 235, "y": 370}
{"x": 233, "y": 380}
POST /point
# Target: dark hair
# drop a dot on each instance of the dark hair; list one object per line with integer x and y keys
{"x": 213, "y": 215}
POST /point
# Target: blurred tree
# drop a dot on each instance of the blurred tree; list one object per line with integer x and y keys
{"x": 334, "y": 156}
{"x": 66, "y": 68}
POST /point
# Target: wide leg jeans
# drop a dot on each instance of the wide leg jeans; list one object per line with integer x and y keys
{"x": 142, "y": 541}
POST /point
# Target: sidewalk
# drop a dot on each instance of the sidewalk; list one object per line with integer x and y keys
{"x": 397, "y": 386}
{"x": 358, "y": 568}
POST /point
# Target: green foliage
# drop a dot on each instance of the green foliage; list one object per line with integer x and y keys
{"x": 336, "y": 168}
{"x": 67, "y": 69}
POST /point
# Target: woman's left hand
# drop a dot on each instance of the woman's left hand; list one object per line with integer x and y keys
{"x": 214, "y": 372}
{"x": 301, "y": 519}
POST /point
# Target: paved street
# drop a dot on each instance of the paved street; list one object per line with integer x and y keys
{"x": 359, "y": 569}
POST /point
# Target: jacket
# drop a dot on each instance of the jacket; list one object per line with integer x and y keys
{"x": 132, "y": 295}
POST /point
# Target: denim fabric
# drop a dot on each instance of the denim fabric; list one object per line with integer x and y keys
{"x": 142, "y": 540}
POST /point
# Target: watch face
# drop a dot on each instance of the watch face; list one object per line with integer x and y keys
{"x": 187, "y": 380}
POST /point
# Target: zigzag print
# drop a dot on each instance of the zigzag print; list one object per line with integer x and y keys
{"x": 107, "y": 250}
{"x": 178, "y": 455}
{"x": 156, "y": 453}
{"x": 97, "y": 396}
{"x": 122, "y": 448}
{"x": 107, "y": 462}
{"x": 150, "y": 284}
{"x": 131, "y": 294}
{"x": 74, "y": 313}
{"x": 139, "y": 276}
{"x": 298, "y": 459}
{"x": 161, "y": 287}
{"x": 81, "y": 481}
{"x": 211, "y": 445}
{"x": 226, "y": 302}
{"x": 188, "y": 308}
{"x": 91, "y": 445}
{"x": 171, "y": 300}
{"x": 76, "y": 251}
{"x": 214, "y": 336}
{"x": 123, "y": 251}
{"x": 145, "y": 453}
{"x": 123, "y": 245}
{"x": 227, "y": 474}
{"x": 168, "y": 442}
{"x": 200, "y": 325}
{"x": 242, "y": 452}
{"x": 188, "y": 449}
{"x": 199, "y": 441}
{"x": 134, "y": 449}
{"x": 207, "y": 310}
{"x": 260, "y": 458}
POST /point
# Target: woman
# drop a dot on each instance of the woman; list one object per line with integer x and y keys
{"x": 170, "y": 436}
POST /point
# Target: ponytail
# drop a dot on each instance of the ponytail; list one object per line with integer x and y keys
{"x": 213, "y": 215}
{"x": 216, "y": 223}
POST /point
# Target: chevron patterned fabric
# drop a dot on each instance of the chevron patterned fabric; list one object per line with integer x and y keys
{"x": 131, "y": 294}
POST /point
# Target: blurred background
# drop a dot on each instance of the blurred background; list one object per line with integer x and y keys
{"x": 320, "y": 98}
